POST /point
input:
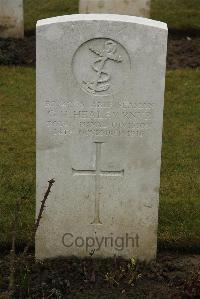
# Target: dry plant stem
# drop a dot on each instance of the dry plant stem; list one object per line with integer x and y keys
{"x": 51, "y": 182}
{"x": 37, "y": 223}
{"x": 12, "y": 251}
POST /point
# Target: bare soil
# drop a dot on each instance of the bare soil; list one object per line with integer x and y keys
{"x": 172, "y": 276}
{"x": 183, "y": 51}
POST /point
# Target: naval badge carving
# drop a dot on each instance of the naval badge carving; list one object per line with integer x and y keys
{"x": 101, "y": 66}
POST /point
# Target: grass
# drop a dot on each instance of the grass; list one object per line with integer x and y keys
{"x": 17, "y": 146}
{"x": 179, "y": 219}
{"x": 36, "y": 9}
{"x": 180, "y": 176}
{"x": 179, "y": 14}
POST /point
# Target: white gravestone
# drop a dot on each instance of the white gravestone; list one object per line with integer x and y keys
{"x": 139, "y": 8}
{"x": 11, "y": 19}
{"x": 100, "y": 90}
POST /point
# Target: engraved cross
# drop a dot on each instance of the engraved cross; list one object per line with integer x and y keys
{"x": 98, "y": 173}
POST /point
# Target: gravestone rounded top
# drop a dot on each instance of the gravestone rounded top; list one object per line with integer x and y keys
{"x": 140, "y": 8}
{"x": 102, "y": 17}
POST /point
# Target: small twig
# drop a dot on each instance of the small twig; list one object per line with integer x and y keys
{"x": 37, "y": 223}
{"x": 12, "y": 251}
{"x": 51, "y": 182}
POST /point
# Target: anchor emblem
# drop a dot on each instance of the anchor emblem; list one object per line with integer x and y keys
{"x": 102, "y": 78}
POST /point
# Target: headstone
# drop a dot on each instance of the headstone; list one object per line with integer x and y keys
{"x": 139, "y": 8}
{"x": 100, "y": 90}
{"x": 11, "y": 19}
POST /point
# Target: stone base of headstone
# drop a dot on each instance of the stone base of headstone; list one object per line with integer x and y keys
{"x": 11, "y": 19}
{"x": 139, "y": 8}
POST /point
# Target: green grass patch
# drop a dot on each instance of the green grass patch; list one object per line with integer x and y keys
{"x": 40, "y": 9}
{"x": 17, "y": 147}
{"x": 179, "y": 14}
{"x": 180, "y": 175}
{"x": 179, "y": 219}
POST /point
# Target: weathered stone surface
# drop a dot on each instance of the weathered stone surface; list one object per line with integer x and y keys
{"x": 11, "y": 19}
{"x": 100, "y": 89}
{"x": 139, "y": 8}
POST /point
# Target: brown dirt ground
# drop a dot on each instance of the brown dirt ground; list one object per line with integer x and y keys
{"x": 183, "y": 51}
{"x": 173, "y": 276}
